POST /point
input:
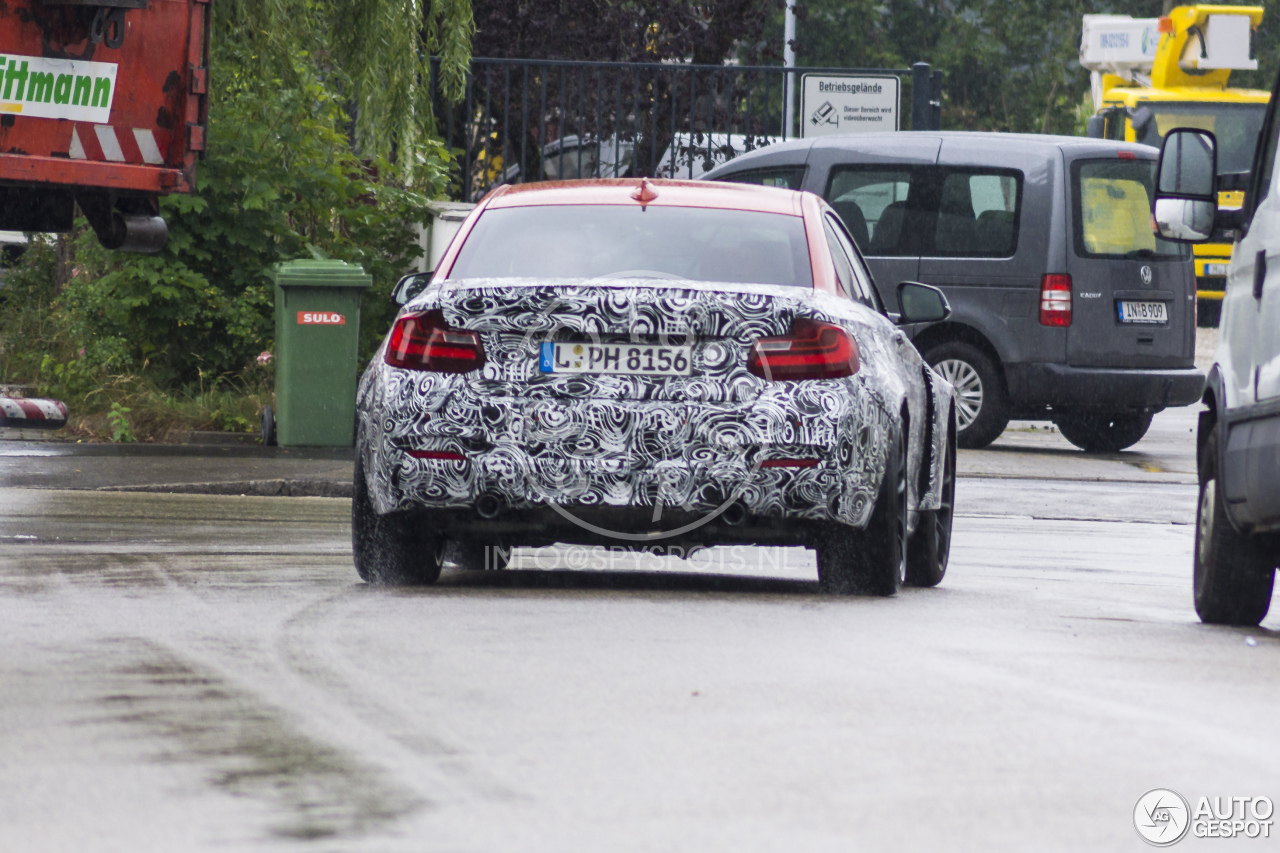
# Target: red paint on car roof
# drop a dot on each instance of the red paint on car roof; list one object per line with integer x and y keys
{"x": 621, "y": 191}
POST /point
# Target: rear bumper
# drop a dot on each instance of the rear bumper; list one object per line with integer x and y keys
{"x": 622, "y": 528}
{"x": 1109, "y": 389}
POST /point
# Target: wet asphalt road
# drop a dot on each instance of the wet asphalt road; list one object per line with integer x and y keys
{"x": 193, "y": 672}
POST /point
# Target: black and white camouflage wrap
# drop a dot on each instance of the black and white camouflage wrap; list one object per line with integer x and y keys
{"x": 692, "y": 442}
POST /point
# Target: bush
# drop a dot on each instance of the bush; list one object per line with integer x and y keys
{"x": 281, "y": 182}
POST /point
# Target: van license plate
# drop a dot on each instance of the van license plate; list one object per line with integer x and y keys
{"x": 1143, "y": 312}
{"x": 634, "y": 359}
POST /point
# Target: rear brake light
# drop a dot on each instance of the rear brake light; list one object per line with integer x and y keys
{"x": 1126, "y": 155}
{"x": 1055, "y": 300}
{"x": 425, "y": 342}
{"x": 813, "y": 350}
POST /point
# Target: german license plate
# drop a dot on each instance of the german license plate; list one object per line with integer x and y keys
{"x": 1215, "y": 269}
{"x": 631, "y": 359}
{"x": 1143, "y": 312}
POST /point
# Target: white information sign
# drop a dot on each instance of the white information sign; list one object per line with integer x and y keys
{"x": 831, "y": 104}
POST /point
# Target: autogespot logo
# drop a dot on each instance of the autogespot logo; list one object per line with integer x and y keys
{"x": 664, "y": 436}
{"x": 1161, "y": 817}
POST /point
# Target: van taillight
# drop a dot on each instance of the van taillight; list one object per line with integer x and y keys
{"x": 425, "y": 342}
{"x": 1055, "y": 300}
{"x": 813, "y": 350}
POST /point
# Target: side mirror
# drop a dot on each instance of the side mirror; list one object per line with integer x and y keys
{"x": 921, "y": 303}
{"x": 1186, "y": 201}
{"x": 410, "y": 286}
{"x": 1096, "y": 126}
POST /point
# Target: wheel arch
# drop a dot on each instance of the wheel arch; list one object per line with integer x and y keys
{"x": 1209, "y": 417}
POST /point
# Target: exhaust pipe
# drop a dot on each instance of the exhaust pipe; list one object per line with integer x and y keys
{"x": 734, "y": 514}
{"x": 488, "y": 506}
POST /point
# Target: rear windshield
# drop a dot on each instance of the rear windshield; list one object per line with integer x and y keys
{"x": 590, "y": 241}
{"x": 1113, "y": 210}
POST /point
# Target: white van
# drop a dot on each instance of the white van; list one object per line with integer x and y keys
{"x": 1238, "y": 515}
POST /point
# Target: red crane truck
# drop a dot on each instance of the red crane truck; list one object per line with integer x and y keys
{"x": 103, "y": 103}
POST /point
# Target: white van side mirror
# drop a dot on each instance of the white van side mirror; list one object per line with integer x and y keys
{"x": 1186, "y": 199}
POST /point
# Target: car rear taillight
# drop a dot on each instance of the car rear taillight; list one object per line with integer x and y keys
{"x": 1055, "y": 300}
{"x": 425, "y": 342}
{"x": 813, "y": 350}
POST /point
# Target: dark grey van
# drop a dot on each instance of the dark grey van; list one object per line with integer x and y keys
{"x": 1065, "y": 304}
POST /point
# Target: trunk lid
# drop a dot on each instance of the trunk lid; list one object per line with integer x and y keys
{"x": 715, "y": 326}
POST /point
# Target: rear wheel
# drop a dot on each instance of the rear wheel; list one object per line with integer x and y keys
{"x": 1103, "y": 433}
{"x": 871, "y": 561}
{"x": 1234, "y": 573}
{"x": 982, "y": 406}
{"x": 394, "y": 549}
{"x": 930, "y": 546}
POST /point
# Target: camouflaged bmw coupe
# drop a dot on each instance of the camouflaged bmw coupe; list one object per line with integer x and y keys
{"x": 647, "y": 363}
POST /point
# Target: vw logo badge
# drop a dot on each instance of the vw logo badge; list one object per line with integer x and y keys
{"x": 1145, "y": 274}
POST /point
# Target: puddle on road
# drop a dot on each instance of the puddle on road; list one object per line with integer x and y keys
{"x": 313, "y": 790}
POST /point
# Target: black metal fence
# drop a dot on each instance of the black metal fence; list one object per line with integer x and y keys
{"x": 527, "y": 120}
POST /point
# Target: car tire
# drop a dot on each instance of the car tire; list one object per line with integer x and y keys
{"x": 1233, "y": 572}
{"x": 1103, "y": 433}
{"x": 982, "y": 404}
{"x": 871, "y": 561}
{"x": 929, "y": 548}
{"x": 391, "y": 550}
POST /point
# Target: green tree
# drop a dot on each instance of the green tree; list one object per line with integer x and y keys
{"x": 1008, "y": 64}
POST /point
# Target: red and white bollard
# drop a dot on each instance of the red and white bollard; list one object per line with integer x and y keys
{"x": 21, "y": 413}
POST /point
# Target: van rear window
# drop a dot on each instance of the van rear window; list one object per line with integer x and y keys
{"x": 1112, "y": 204}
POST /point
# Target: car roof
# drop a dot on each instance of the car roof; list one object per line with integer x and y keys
{"x": 622, "y": 191}
{"x": 994, "y": 142}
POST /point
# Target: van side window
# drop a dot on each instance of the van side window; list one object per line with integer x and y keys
{"x": 788, "y": 178}
{"x": 978, "y": 214}
{"x": 872, "y": 203}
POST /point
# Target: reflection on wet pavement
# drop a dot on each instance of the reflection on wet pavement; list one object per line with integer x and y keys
{"x": 243, "y": 746}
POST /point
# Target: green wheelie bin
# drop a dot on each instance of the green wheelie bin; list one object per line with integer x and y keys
{"x": 317, "y": 352}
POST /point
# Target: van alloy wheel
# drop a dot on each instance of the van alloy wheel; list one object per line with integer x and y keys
{"x": 968, "y": 385}
{"x": 982, "y": 403}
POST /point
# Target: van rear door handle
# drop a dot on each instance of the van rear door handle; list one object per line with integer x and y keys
{"x": 1259, "y": 273}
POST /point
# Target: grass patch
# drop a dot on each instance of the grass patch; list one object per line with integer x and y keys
{"x": 132, "y": 408}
